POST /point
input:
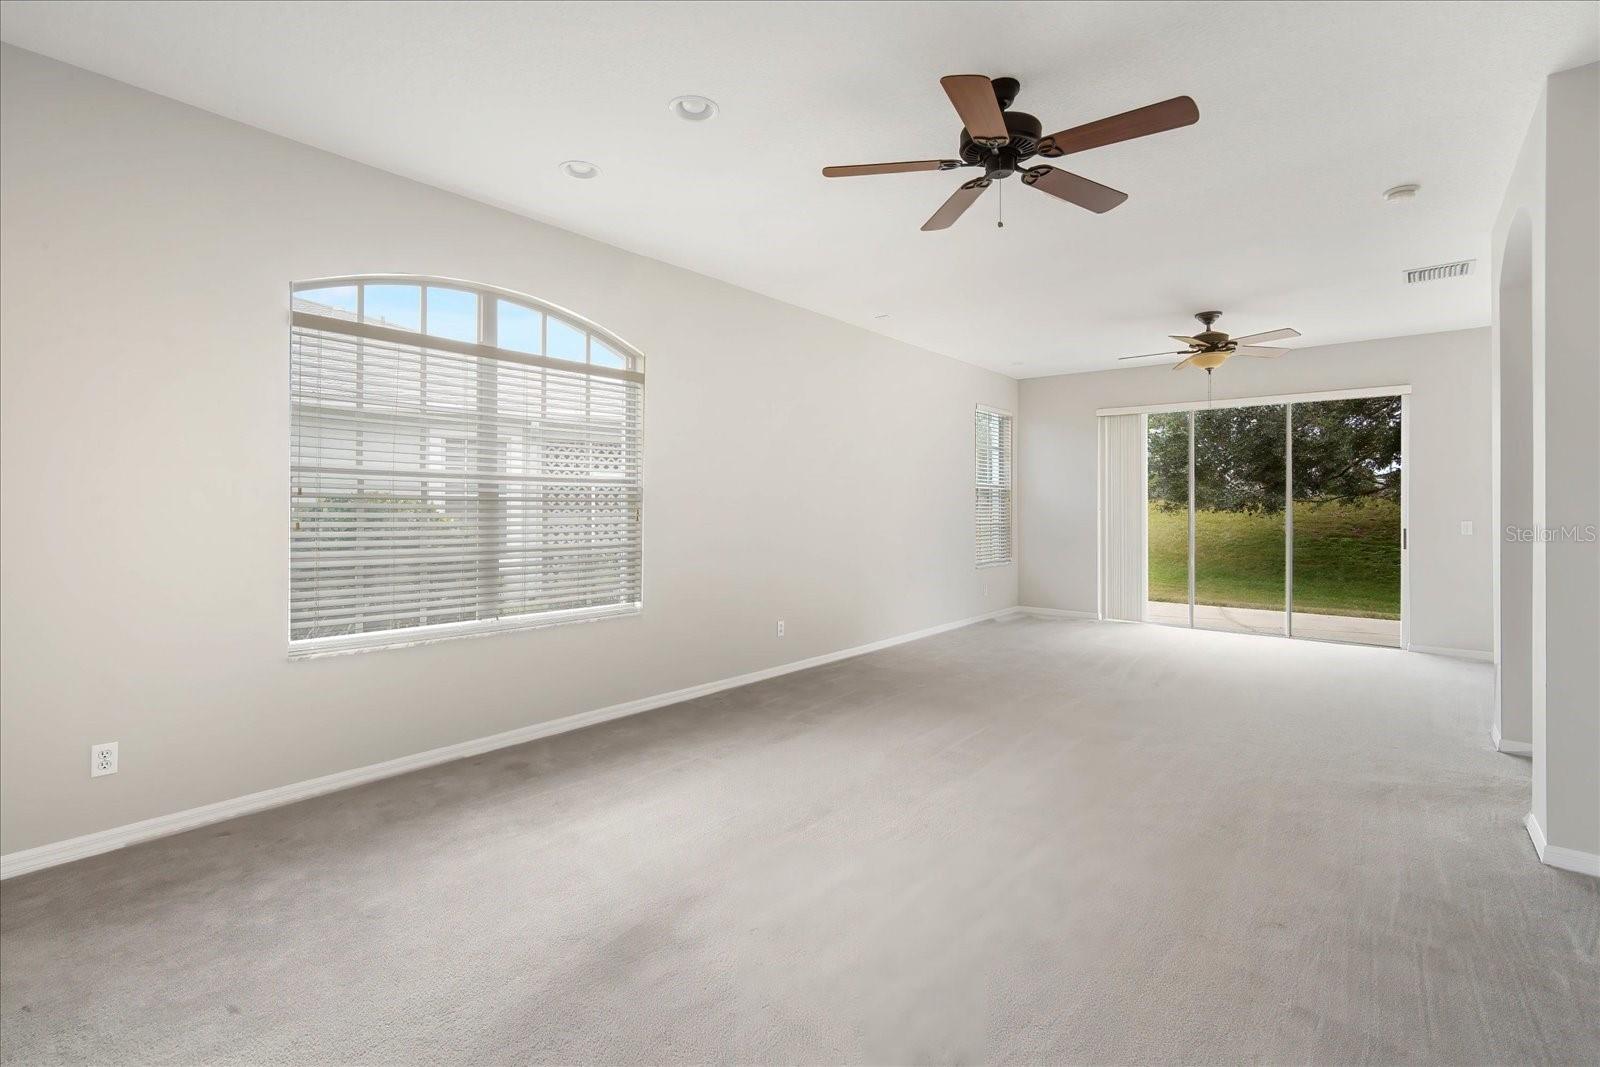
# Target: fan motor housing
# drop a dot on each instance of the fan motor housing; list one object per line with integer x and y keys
{"x": 1026, "y": 132}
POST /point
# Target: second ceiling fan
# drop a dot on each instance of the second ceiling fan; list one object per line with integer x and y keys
{"x": 1211, "y": 348}
{"x": 1002, "y": 141}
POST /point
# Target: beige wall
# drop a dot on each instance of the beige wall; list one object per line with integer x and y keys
{"x": 1547, "y": 407}
{"x": 795, "y": 467}
{"x": 1572, "y": 462}
{"x": 1447, "y": 466}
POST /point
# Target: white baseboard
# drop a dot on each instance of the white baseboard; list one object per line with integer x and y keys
{"x": 1454, "y": 653}
{"x": 1568, "y": 859}
{"x": 1510, "y": 748}
{"x": 1056, "y": 613}
{"x": 77, "y": 848}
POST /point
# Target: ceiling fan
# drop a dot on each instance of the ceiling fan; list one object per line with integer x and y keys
{"x": 1001, "y": 141}
{"x": 1211, "y": 348}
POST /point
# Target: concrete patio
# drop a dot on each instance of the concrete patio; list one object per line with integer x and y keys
{"x": 1347, "y": 628}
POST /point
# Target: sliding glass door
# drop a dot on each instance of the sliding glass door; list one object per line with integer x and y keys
{"x": 1278, "y": 518}
{"x": 1239, "y": 548}
{"x": 1167, "y": 466}
{"x": 1345, "y": 578}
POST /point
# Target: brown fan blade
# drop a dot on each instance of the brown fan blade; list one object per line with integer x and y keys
{"x": 1152, "y": 355}
{"x": 1182, "y": 340}
{"x": 1074, "y": 188}
{"x": 1140, "y": 122}
{"x": 974, "y": 100}
{"x": 958, "y": 203}
{"x": 890, "y": 168}
{"x": 1257, "y": 350}
{"x": 1182, "y": 363}
{"x": 1271, "y": 335}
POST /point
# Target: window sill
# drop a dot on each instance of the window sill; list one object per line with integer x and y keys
{"x": 347, "y": 644}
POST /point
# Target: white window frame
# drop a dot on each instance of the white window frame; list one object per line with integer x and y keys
{"x": 1010, "y": 489}
{"x": 487, "y": 295}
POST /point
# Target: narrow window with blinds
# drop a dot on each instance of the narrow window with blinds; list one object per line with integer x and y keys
{"x": 994, "y": 510}
{"x": 462, "y": 460}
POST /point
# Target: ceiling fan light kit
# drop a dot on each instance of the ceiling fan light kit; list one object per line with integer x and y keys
{"x": 1002, "y": 141}
{"x": 1211, "y": 348}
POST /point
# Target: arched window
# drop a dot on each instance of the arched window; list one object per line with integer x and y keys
{"x": 463, "y": 459}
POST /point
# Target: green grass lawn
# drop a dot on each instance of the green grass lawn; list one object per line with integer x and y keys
{"x": 1346, "y": 558}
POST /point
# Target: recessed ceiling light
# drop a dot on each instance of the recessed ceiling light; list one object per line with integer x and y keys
{"x": 1401, "y": 192}
{"x": 693, "y": 108}
{"x": 581, "y": 169}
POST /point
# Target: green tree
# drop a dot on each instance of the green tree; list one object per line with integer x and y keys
{"x": 1344, "y": 450}
{"x": 1347, "y": 450}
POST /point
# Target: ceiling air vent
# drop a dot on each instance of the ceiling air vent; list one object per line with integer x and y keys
{"x": 1459, "y": 269}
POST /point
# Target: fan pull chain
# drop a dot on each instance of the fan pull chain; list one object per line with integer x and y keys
{"x": 1000, "y": 222}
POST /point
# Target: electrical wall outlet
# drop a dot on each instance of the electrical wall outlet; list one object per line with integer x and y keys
{"x": 102, "y": 759}
{"x": 1466, "y": 528}
{"x": 780, "y": 627}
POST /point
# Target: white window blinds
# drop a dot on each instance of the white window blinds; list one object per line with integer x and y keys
{"x": 460, "y": 462}
{"x": 994, "y": 510}
{"x": 1123, "y": 517}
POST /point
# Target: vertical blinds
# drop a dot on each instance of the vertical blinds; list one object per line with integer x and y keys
{"x": 1123, "y": 518}
{"x": 994, "y": 510}
{"x": 438, "y": 483}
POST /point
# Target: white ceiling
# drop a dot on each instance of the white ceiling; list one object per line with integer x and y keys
{"x": 1269, "y": 208}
